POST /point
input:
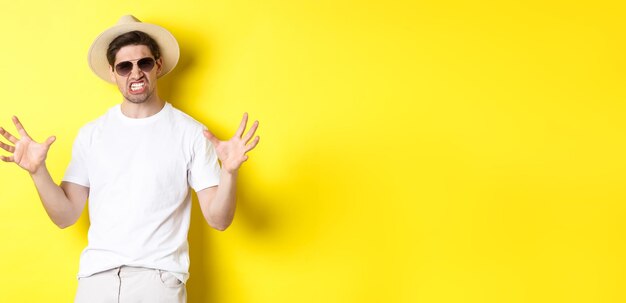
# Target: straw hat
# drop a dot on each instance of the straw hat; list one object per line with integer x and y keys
{"x": 98, "y": 50}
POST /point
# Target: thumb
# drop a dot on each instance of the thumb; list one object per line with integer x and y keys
{"x": 211, "y": 137}
{"x": 50, "y": 140}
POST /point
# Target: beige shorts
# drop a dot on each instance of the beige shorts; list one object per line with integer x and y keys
{"x": 131, "y": 285}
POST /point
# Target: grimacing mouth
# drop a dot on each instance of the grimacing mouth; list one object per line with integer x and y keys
{"x": 137, "y": 85}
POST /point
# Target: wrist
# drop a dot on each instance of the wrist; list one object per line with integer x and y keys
{"x": 38, "y": 171}
{"x": 230, "y": 172}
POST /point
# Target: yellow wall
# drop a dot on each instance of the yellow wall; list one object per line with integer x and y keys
{"x": 463, "y": 151}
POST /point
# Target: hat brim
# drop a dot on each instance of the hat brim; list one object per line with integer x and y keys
{"x": 168, "y": 46}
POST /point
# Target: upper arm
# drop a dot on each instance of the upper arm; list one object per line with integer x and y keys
{"x": 77, "y": 194}
{"x": 204, "y": 169}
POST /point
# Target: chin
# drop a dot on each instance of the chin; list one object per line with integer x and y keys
{"x": 137, "y": 101}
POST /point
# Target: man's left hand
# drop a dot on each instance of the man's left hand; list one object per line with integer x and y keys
{"x": 232, "y": 153}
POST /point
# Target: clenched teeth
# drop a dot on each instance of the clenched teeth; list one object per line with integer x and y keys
{"x": 136, "y": 86}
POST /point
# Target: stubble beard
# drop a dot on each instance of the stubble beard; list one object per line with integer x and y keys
{"x": 138, "y": 99}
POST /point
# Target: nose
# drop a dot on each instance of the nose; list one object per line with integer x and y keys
{"x": 136, "y": 72}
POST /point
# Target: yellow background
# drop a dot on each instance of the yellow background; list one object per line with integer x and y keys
{"x": 411, "y": 151}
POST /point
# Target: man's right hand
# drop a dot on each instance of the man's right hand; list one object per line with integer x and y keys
{"x": 26, "y": 153}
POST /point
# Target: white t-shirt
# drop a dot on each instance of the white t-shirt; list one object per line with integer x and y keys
{"x": 138, "y": 172}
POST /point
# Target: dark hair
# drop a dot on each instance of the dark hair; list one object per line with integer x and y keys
{"x": 132, "y": 38}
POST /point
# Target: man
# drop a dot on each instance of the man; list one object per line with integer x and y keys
{"x": 136, "y": 163}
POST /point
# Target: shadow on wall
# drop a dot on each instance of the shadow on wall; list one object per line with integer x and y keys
{"x": 204, "y": 284}
{"x": 201, "y": 286}
{"x": 281, "y": 223}
{"x": 169, "y": 84}
{"x": 202, "y": 281}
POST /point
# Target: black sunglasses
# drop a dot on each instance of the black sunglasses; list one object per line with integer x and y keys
{"x": 125, "y": 67}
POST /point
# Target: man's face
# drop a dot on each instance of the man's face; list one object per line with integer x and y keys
{"x": 138, "y": 86}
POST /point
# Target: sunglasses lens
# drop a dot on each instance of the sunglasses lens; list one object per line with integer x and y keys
{"x": 146, "y": 64}
{"x": 124, "y": 68}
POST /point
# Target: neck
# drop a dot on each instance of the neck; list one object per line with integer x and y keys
{"x": 142, "y": 110}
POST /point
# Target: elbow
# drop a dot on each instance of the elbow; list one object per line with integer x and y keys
{"x": 221, "y": 226}
{"x": 219, "y": 220}
{"x": 63, "y": 225}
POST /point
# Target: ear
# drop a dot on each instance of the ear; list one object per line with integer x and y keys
{"x": 111, "y": 73}
{"x": 159, "y": 64}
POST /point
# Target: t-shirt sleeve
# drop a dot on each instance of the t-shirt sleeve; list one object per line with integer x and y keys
{"x": 76, "y": 171}
{"x": 204, "y": 170}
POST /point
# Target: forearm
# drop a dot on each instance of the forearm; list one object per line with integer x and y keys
{"x": 221, "y": 210}
{"x": 218, "y": 204}
{"x": 56, "y": 203}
